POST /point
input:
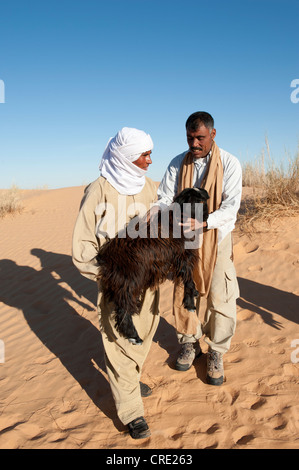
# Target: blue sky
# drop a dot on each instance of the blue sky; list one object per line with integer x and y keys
{"x": 76, "y": 71}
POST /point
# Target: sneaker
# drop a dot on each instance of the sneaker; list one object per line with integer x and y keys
{"x": 138, "y": 428}
{"x": 188, "y": 353}
{"x": 145, "y": 390}
{"x": 215, "y": 370}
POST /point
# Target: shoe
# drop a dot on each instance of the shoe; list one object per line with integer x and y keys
{"x": 138, "y": 428}
{"x": 215, "y": 370}
{"x": 145, "y": 390}
{"x": 188, "y": 353}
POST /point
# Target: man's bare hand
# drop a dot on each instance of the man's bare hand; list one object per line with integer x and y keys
{"x": 192, "y": 224}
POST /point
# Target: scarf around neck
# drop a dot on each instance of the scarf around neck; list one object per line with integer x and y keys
{"x": 203, "y": 271}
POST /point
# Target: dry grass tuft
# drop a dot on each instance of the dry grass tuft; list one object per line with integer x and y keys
{"x": 275, "y": 192}
{"x": 10, "y": 201}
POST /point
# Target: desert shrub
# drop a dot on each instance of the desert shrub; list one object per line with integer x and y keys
{"x": 10, "y": 201}
{"x": 275, "y": 191}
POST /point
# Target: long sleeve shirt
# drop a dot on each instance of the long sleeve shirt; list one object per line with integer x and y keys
{"x": 225, "y": 217}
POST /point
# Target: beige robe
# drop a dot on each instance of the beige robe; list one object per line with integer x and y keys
{"x": 103, "y": 213}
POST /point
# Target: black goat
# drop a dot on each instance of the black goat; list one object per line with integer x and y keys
{"x": 129, "y": 265}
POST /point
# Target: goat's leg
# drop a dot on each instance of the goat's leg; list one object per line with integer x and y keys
{"x": 186, "y": 275}
{"x": 190, "y": 293}
{"x": 124, "y": 323}
{"x": 125, "y": 326}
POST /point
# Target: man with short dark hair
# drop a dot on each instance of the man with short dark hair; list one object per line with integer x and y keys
{"x": 205, "y": 165}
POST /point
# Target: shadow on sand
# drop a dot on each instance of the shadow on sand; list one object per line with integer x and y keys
{"x": 266, "y": 301}
{"x": 42, "y": 297}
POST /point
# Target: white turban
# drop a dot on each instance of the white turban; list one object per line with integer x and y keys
{"x": 117, "y": 160}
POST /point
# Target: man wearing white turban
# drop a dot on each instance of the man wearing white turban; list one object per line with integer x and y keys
{"x": 118, "y": 163}
{"x": 119, "y": 194}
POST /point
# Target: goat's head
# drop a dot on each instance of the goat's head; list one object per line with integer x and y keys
{"x": 193, "y": 196}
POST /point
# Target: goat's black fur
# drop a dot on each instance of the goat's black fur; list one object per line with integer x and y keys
{"x": 129, "y": 266}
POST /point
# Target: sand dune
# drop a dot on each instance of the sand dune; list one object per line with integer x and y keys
{"x": 54, "y": 389}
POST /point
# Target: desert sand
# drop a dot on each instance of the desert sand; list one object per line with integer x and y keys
{"x": 54, "y": 388}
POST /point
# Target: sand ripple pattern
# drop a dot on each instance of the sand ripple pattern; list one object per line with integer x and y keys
{"x": 54, "y": 389}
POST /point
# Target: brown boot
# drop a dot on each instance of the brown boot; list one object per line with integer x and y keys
{"x": 215, "y": 370}
{"x": 188, "y": 353}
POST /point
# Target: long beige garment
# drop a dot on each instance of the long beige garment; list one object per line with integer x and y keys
{"x": 219, "y": 308}
{"x": 124, "y": 360}
{"x": 103, "y": 213}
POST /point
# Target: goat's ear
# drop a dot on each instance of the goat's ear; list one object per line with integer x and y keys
{"x": 179, "y": 199}
{"x": 181, "y": 194}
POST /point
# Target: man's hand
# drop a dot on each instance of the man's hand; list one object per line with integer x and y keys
{"x": 192, "y": 225}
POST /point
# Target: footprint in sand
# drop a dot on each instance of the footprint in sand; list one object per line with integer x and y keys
{"x": 234, "y": 395}
{"x": 215, "y": 427}
{"x": 291, "y": 369}
{"x": 279, "y": 423}
{"x": 234, "y": 358}
{"x": 251, "y": 247}
{"x": 32, "y": 431}
{"x": 251, "y": 342}
{"x": 8, "y": 423}
{"x": 246, "y": 315}
{"x": 58, "y": 437}
{"x": 280, "y": 246}
{"x": 255, "y": 267}
{"x": 278, "y": 339}
{"x": 235, "y": 347}
{"x": 242, "y": 435}
{"x": 226, "y": 397}
{"x": 245, "y": 247}
{"x": 257, "y": 404}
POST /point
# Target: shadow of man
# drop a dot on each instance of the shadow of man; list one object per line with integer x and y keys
{"x": 64, "y": 267}
{"x": 74, "y": 340}
{"x": 267, "y": 300}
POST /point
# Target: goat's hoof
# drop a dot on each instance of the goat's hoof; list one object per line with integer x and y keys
{"x": 135, "y": 341}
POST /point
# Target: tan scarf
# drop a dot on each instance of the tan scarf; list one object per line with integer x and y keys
{"x": 186, "y": 322}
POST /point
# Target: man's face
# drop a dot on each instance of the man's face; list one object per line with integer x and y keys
{"x": 144, "y": 160}
{"x": 200, "y": 141}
